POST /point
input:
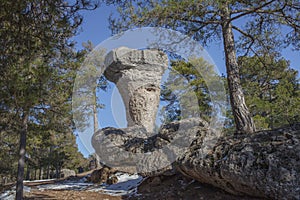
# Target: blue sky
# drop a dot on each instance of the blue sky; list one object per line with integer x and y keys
{"x": 95, "y": 28}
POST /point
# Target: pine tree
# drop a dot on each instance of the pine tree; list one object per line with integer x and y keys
{"x": 185, "y": 81}
{"x": 271, "y": 89}
{"x": 37, "y": 64}
{"x": 264, "y": 24}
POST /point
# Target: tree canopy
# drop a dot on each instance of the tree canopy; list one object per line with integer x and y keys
{"x": 260, "y": 25}
{"x": 272, "y": 90}
{"x": 38, "y": 64}
{"x": 270, "y": 85}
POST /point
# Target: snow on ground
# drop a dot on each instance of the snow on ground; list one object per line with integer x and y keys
{"x": 66, "y": 185}
{"x": 11, "y": 194}
{"x": 126, "y": 185}
{"x": 43, "y": 180}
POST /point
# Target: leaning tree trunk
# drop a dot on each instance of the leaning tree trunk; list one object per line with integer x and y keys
{"x": 21, "y": 163}
{"x": 243, "y": 120}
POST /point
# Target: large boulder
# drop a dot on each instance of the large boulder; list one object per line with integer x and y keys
{"x": 131, "y": 150}
{"x": 103, "y": 175}
{"x": 264, "y": 164}
{"x": 64, "y": 173}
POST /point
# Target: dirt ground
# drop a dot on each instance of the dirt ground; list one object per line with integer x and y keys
{"x": 178, "y": 187}
{"x": 68, "y": 195}
{"x": 174, "y": 187}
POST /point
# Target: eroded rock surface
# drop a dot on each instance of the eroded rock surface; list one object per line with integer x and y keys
{"x": 137, "y": 75}
{"x": 67, "y": 173}
{"x": 264, "y": 164}
{"x": 131, "y": 150}
{"x": 103, "y": 175}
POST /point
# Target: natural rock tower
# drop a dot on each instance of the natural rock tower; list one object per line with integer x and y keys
{"x": 137, "y": 75}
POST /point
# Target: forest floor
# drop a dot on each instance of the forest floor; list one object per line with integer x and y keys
{"x": 130, "y": 187}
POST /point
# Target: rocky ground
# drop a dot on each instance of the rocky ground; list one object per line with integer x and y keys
{"x": 177, "y": 187}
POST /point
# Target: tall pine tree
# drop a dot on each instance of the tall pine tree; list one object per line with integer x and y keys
{"x": 272, "y": 90}
{"x": 37, "y": 63}
{"x": 265, "y": 23}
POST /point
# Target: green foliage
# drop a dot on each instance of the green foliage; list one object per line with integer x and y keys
{"x": 268, "y": 26}
{"x": 37, "y": 66}
{"x": 186, "y": 92}
{"x": 202, "y": 20}
{"x": 272, "y": 90}
{"x": 88, "y": 83}
{"x": 33, "y": 28}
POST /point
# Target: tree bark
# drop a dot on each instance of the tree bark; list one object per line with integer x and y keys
{"x": 21, "y": 162}
{"x": 48, "y": 171}
{"x": 28, "y": 172}
{"x": 41, "y": 172}
{"x": 242, "y": 117}
{"x": 95, "y": 116}
{"x": 96, "y": 125}
{"x": 57, "y": 171}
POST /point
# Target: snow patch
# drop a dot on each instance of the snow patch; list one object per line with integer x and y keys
{"x": 127, "y": 184}
{"x": 67, "y": 185}
{"x": 11, "y": 194}
{"x": 8, "y": 195}
{"x": 43, "y": 180}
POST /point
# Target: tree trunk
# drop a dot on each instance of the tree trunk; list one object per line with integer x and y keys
{"x": 96, "y": 126}
{"x": 48, "y": 171}
{"x": 242, "y": 117}
{"x": 41, "y": 173}
{"x": 28, "y": 172}
{"x": 21, "y": 163}
{"x": 48, "y": 163}
{"x": 57, "y": 171}
{"x": 95, "y": 117}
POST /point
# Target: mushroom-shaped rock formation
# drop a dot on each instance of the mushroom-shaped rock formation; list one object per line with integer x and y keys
{"x": 137, "y": 75}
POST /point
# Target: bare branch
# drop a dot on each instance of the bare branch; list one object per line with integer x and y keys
{"x": 251, "y": 10}
{"x": 246, "y": 35}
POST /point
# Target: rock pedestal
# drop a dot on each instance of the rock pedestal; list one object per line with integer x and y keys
{"x": 265, "y": 164}
{"x": 137, "y": 75}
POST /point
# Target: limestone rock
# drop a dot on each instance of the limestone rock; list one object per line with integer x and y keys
{"x": 104, "y": 175}
{"x": 131, "y": 149}
{"x": 137, "y": 75}
{"x": 64, "y": 173}
{"x": 112, "y": 180}
{"x": 264, "y": 164}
